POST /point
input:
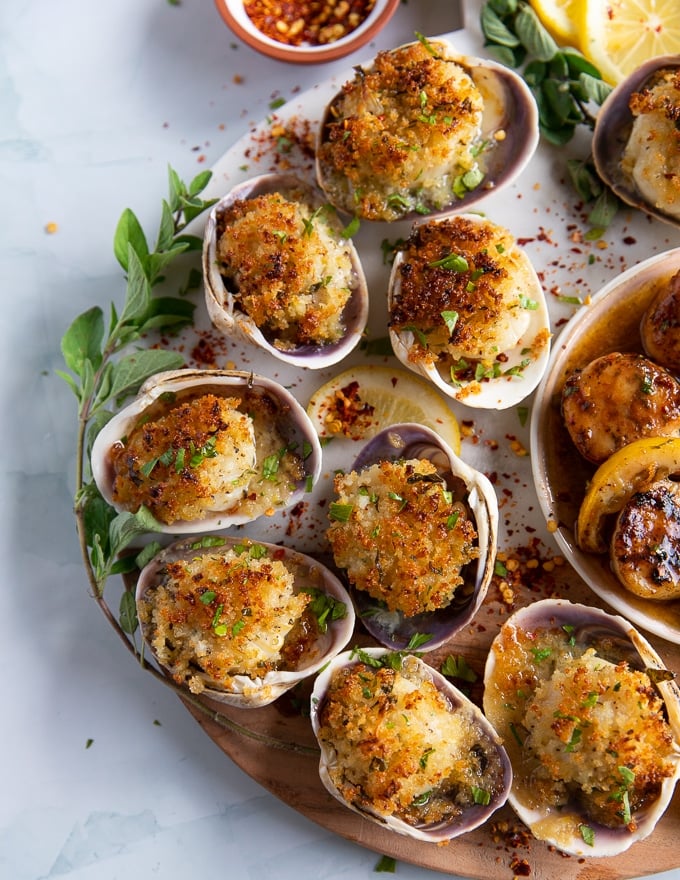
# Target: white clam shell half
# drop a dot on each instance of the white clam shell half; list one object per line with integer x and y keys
{"x": 440, "y": 832}
{"x": 611, "y": 635}
{"x": 509, "y": 128}
{"x": 523, "y": 363}
{"x": 243, "y": 690}
{"x": 287, "y": 414}
{"x": 222, "y": 302}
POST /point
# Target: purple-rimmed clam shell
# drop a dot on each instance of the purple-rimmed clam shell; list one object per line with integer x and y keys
{"x": 509, "y": 127}
{"x": 243, "y": 690}
{"x": 287, "y": 415}
{"x": 393, "y": 629}
{"x": 439, "y": 832}
{"x": 615, "y": 640}
{"x": 613, "y": 127}
{"x": 222, "y": 302}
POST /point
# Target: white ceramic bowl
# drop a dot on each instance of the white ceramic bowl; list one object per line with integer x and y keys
{"x": 235, "y": 16}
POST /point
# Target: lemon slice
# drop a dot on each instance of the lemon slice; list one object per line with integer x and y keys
{"x": 559, "y": 18}
{"x": 617, "y": 36}
{"x": 617, "y": 479}
{"x": 361, "y": 401}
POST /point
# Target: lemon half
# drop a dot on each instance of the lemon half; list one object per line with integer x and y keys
{"x": 361, "y": 401}
{"x": 617, "y": 36}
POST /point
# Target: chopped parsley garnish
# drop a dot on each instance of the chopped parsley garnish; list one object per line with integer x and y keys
{"x": 340, "y": 512}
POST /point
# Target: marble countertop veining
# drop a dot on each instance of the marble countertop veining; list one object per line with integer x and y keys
{"x": 104, "y": 773}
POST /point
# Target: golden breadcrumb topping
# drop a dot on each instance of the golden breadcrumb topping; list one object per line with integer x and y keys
{"x": 401, "y": 750}
{"x": 207, "y": 453}
{"x": 288, "y": 266}
{"x": 224, "y": 614}
{"x": 403, "y": 135}
{"x": 592, "y": 730}
{"x": 401, "y": 535}
{"x": 464, "y": 289}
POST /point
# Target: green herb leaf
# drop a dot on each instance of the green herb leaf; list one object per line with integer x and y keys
{"x": 128, "y": 236}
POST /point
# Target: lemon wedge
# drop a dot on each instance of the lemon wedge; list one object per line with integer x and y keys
{"x": 559, "y": 18}
{"x": 617, "y": 36}
{"x": 617, "y": 479}
{"x": 361, "y": 401}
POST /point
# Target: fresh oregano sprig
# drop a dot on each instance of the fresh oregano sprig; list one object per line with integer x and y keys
{"x": 100, "y": 374}
{"x": 566, "y": 86}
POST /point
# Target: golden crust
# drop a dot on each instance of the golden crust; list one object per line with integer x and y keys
{"x": 289, "y": 269}
{"x": 406, "y": 541}
{"x": 216, "y": 616}
{"x": 400, "y": 748}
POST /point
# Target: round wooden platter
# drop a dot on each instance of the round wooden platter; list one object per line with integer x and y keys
{"x": 276, "y": 747}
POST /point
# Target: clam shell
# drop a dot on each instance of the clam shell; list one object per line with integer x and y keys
{"x": 288, "y": 416}
{"x": 523, "y": 365}
{"x": 222, "y": 302}
{"x": 243, "y": 690}
{"x": 393, "y": 629}
{"x": 436, "y": 833}
{"x": 615, "y": 640}
{"x": 509, "y": 123}
{"x": 612, "y": 130}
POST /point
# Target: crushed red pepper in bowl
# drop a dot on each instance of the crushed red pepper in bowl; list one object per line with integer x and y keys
{"x": 316, "y": 22}
{"x": 306, "y": 31}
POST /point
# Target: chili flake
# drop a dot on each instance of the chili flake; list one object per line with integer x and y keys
{"x": 315, "y": 22}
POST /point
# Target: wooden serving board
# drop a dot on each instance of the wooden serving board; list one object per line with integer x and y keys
{"x": 502, "y": 848}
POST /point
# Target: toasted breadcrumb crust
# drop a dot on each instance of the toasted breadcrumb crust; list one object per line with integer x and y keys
{"x": 399, "y": 747}
{"x": 465, "y": 288}
{"x": 652, "y": 154}
{"x": 592, "y": 730}
{"x": 402, "y": 134}
{"x": 204, "y": 454}
{"x": 288, "y": 266}
{"x": 406, "y": 540}
{"x": 224, "y": 614}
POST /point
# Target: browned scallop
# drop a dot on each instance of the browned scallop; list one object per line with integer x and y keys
{"x": 645, "y": 547}
{"x": 618, "y": 398}
{"x": 660, "y": 326}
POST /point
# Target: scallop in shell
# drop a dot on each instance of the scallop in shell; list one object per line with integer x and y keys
{"x": 241, "y": 622}
{"x": 436, "y": 768}
{"x": 424, "y": 129}
{"x": 204, "y": 450}
{"x": 590, "y": 718}
{"x": 415, "y": 530}
{"x": 281, "y": 273}
{"x": 636, "y": 142}
{"x": 467, "y": 311}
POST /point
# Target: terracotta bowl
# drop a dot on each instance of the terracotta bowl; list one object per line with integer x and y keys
{"x": 235, "y": 16}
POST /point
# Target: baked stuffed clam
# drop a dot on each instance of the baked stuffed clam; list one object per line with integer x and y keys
{"x": 435, "y": 768}
{"x": 204, "y": 450}
{"x": 424, "y": 129}
{"x": 239, "y": 621}
{"x": 590, "y": 718}
{"x": 281, "y": 272}
{"x": 414, "y": 528}
{"x": 468, "y": 312}
{"x": 636, "y": 141}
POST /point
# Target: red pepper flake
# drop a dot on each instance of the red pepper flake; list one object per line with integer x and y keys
{"x": 316, "y": 22}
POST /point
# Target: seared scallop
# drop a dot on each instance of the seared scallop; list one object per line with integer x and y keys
{"x": 660, "y": 326}
{"x": 645, "y": 547}
{"x": 618, "y": 398}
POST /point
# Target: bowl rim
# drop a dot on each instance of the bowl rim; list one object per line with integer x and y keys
{"x": 235, "y": 17}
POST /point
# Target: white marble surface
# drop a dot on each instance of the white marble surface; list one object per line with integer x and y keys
{"x": 95, "y": 101}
